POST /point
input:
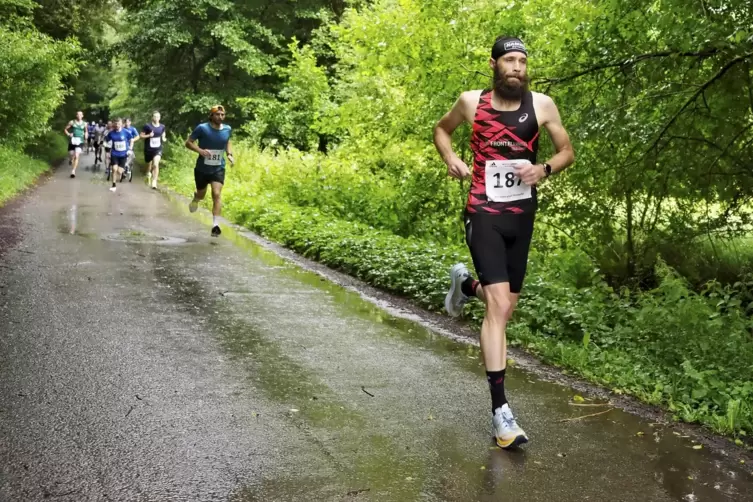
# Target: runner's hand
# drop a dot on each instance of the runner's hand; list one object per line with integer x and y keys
{"x": 531, "y": 173}
{"x": 204, "y": 153}
{"x": 457, "y": 169}
{"x": 231, "y": 159}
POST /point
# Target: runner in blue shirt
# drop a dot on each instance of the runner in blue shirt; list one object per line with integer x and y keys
{"x": 155, "y": 136}
{"x": 122, "y": 143}
{"x": 213, "y": 140}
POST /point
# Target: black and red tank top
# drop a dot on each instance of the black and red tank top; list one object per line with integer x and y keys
{"x": 501, "y": 136}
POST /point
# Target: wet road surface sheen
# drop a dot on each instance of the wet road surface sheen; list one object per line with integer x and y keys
{"x": 140, "y": 359}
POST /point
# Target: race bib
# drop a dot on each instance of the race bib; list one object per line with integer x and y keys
{"x": 215, "y": 158}
{"x": 155, "y": 142}
{"x": 503, "y": 183}
{"x": 120, "y": 146}
{"x": 75, "y": 141}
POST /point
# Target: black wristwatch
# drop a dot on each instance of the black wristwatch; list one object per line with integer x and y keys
{"x": 548, "y": 169}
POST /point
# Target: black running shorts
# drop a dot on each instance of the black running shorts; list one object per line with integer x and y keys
{"x": 150, "y": 154}
{"x": 117, "y": 161}
{"x": 499, "y": 245}
{"x": 72, "y": 147}
{"x": 204, "y": 178}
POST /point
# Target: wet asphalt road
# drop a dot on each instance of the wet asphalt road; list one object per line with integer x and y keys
{"x": 142, "y": 360}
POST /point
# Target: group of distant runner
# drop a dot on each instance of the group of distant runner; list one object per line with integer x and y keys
{"x": 112, "y": 144}
{"x": 506, "y": 120}
{"x": 211, "y": 140}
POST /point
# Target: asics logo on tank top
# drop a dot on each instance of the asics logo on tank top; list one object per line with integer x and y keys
{"x": 500, "y": 135}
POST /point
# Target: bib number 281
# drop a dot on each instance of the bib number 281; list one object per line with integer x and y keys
{"x": 503, "y": 183}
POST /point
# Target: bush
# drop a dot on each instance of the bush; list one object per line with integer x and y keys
{"x": 51, "y": 148}
{"x": 32, "y": 67}
{"x": 669, "y": 346}
{"x": 17, "y": 171}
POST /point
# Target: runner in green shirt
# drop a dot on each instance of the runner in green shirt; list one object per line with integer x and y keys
{"x": 77, "y": 136}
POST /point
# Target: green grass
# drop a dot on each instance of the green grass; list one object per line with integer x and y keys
{"x": 688, "y": 352}
{"x": 17, "y": 172}
{"x": 20, "y": 169}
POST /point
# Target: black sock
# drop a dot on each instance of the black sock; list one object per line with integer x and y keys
{"x": 113, "y": 183}
{"x": 468, "y": 286}
{"x": 496, "y": 381}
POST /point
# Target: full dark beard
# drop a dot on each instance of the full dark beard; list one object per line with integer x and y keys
{"x": 507, "y": 91}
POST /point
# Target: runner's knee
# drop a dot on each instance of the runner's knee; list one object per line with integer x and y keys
{"x": 498, "y": 304}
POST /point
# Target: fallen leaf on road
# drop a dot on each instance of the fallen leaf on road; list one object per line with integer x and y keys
{"x": 698, "y": 447}
{"x": 409, "y": 478}
{"x": 483, "y": 468}
{"x": 430, "y": 417}
{"x": 293, "y": 410}
{"x": 578, "y": 399}
{"x": 640, "y": 433}
{"x": 738, "y": 442}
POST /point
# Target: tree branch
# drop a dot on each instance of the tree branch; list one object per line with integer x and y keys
{"x": 629, "y": 62}
{"x": 475, "y": 71}
{"x": 724, "y": 69}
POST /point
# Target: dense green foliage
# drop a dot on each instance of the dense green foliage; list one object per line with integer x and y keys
{"x": 32, "y": 68}
{"x": 215, "y": 51}
{"x": 92, "y": 24}
{"x": 663, "y": 346}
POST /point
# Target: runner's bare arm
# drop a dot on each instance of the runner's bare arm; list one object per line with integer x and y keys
{"x": 447, "y": 125}
{"x": 229, "y": 150}
{"x": 68, "y": 127}
{"x": 552, "y": 122}
{"x": 443, "y": 134}
{"x": 191, "y": 145}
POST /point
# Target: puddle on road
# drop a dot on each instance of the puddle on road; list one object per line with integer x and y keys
{"x": 139, "y": 237}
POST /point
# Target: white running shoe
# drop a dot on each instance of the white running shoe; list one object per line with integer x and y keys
{"x": 154, "y": 184}
{"x": 455, "y": 299}
{"x": 148, "y": 177}
{"x": 112, "y": 189}
{"x": 193, "y": 206}
{"x": 507, "y": 433}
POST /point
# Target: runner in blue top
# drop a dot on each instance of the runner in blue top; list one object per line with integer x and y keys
{"x": 155, "y": 136}
{"x": 213, "y": 139}
{"x": 122, "y": 143}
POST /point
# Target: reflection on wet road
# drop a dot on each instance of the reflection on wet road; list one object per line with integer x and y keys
{"x": 140, "y": 359}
